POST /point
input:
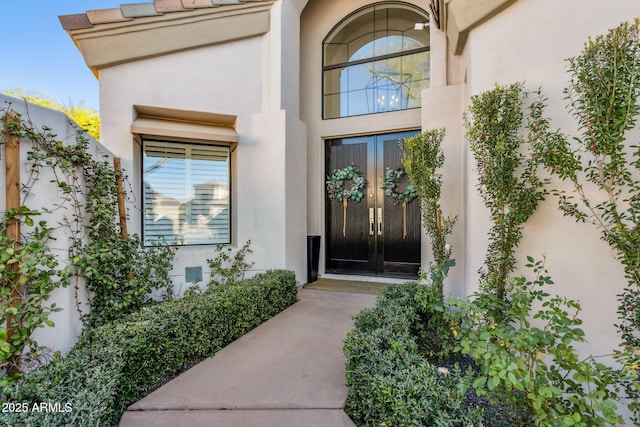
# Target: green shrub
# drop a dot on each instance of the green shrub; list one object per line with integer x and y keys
{"x": 527, "y": 357}
{"x": 437, "y": 321}
{"x": 422, "y": 157}
{"x": 227, "y": 269}
{"x": 507, "y": 178}
{"x": 600, "y": 165}
{"x": 116, "y": 364}
{"x": 390, "y": 383}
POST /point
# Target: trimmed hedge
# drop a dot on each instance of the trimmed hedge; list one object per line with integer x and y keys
{"x": 390, "y": 382}
{"x": 117, "y": 364}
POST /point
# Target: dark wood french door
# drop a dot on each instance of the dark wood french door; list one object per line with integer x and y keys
{"x": 374, "y": 236}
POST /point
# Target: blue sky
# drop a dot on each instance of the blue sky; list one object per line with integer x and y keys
{"x": 39, "y": 57}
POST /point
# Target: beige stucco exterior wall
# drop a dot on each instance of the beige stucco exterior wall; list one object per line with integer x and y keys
{"x": 317, "y": 20}
{"x": 529, "y": 42}
{"x": 242, "y": 78}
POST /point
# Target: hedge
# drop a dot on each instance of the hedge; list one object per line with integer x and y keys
{"x": 390, "y": 382}
{"x": 115, "y": 365}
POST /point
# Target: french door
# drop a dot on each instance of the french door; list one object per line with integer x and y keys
{"x": 373, "y": 236}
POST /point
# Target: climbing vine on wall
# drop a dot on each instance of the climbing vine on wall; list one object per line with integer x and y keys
{"x": 118, "y": 272}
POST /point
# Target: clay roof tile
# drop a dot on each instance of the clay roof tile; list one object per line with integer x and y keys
{"x": 135, "y": 10}
{"x": 104, "y": 16}
{"x": 75, "y": 22}
{"x": 165, "y": 6}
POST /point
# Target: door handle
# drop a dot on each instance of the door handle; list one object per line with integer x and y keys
{"x": 371, "y": 222}
{"x": 379, "y": 221}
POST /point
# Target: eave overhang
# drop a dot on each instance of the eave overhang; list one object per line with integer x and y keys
{"x": 458, "y": 17}
{"x": 122, "y": 39}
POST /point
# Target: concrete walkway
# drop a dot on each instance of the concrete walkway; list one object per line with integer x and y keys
{"x": 287, "y": 372}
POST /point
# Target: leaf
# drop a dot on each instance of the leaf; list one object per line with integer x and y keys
{"x": 494, "y": 382}
{"x": 479, "y": 382}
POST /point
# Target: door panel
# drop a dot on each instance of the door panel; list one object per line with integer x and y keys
{"x": 399, "y": 252}
{"x": 349, "y": 248}
{"x": 373, "y": 240}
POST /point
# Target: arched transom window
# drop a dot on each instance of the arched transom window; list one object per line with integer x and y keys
{"x": 376, "y": 60}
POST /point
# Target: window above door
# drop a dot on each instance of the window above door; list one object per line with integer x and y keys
{"x": 376, "y": 60}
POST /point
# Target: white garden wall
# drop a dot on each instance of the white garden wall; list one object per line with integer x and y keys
{"x": 46, "y": 194}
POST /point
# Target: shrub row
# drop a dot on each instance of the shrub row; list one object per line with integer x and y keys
{"x": 116, "y": 364}
{"x": 390, "y": 382}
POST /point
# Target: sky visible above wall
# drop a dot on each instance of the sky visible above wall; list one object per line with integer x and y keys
{"x": 37, "y": 54}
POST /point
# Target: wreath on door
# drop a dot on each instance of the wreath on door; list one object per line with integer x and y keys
{"x": 337, "y": 189}
{"x": 389, "y": 185}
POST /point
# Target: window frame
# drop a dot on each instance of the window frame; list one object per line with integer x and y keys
{"x": 186, "y": 142}
{"x": 372, "y": 59}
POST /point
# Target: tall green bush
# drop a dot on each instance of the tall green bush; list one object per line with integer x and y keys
{"x": 422, "y": 157}
{"x": 602, "y": 166}
{"x": 507, "y": 178}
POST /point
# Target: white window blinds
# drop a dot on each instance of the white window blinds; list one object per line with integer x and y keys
{"x": 186, "y": 193}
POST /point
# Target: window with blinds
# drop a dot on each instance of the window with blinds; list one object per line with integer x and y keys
{"x": 186, "y": 193}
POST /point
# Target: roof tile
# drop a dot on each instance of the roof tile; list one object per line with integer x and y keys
{"x": 104, "y": 16}
{"x": 127, "y": 12}
{"x": 168, "y": 5}
{"x": 75, "y": 22}
{"x": 195, "y": 4}
{"x": 135, "y": 10}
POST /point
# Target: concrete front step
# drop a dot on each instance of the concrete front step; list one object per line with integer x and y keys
{"x": 239, "y": 418}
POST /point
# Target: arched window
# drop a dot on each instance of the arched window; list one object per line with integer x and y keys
{"x": 375, "y": 60}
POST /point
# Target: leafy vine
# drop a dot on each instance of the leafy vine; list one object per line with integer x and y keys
{"x": 507, "y": 178}
{"x": 118, "y": 272}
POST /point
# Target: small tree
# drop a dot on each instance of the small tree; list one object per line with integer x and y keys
{"x": 87, "y": 118}
{"x": 604, "y": 96}
{"x": 422, "y": 156}
{"x": 508, "y": 181}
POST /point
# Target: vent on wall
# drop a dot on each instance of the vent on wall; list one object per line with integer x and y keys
{"x": 193, "y": 274}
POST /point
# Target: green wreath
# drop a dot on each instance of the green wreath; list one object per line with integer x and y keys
{"x": 336, "y": 182}
{"x": 389, "y": 184}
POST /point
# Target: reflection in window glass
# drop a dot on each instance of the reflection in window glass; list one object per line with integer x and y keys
{"x": 375, "y": 61}
{"x": 186, "y": 193}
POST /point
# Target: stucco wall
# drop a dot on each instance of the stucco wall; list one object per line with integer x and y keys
{"x": 317, "y": 20}
{"x": 250, "y": 79}
{"x": 45, "y": 194}
{"x": 529, "y": 42}
{"x": 222, "y": 79}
